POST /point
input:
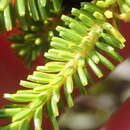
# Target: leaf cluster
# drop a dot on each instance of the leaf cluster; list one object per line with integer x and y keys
{"x": 35, "y": 20}
{"x": 84, "y": 41}
{"x": 25, "y": 11}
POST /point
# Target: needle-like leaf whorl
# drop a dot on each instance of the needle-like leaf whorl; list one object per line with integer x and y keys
{"x": 79, "y": 46}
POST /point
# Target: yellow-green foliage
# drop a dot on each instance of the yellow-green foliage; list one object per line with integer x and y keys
{"x": 88, "y": 35}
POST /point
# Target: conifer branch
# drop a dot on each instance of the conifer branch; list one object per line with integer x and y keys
{"x": 35, "y": 20}
{"x": 83, "y": 43}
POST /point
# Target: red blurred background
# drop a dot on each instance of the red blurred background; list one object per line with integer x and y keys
{"x": 12, "y": 70}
